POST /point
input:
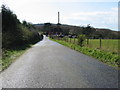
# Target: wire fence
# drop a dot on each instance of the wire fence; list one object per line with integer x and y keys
{"x": 110, "y": 45}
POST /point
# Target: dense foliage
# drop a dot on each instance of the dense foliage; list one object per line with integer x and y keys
{"x": 14, "y": 33}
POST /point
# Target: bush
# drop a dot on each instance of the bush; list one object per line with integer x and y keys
{"x": 81, "y": 39}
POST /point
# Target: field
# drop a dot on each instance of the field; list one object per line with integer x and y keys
{"x": 109, "y": 45}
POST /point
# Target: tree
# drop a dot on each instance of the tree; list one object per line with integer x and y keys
{"x": 9, "y": 19}
{"x": 88, "y": 31}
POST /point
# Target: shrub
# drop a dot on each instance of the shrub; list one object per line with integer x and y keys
{"x": 81, "y": 39}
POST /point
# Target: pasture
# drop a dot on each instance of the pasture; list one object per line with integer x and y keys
{"x": 109, "y": 45}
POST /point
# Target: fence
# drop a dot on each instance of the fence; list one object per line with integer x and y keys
{"x": 110, "y": 45}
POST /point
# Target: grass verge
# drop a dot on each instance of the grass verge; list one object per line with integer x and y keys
{"x": 9, "y": 56}
{"x": 109, "y": 58}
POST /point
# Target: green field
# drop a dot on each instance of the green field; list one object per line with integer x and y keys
{"x": 110, "y": 45}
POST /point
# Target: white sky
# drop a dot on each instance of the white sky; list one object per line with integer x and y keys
{"x": 98, "y": 13}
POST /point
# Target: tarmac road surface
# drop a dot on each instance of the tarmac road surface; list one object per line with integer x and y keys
{"x": 51, "y": 65}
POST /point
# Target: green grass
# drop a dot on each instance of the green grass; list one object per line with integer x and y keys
{"x": 9, "y": 56}
{"x": 109, "y": 45}
{"x": 109, "y": 58}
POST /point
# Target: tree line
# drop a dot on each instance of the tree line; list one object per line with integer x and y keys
{"x": 89, "y": 31}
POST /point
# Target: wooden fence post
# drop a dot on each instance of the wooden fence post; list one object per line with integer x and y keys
{"x": 100, "y": 43}
{"x": 87, "y": 41}
{"x": 74, "y": 40}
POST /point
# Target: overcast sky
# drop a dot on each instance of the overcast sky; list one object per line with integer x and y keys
{"x": 97, "y": 13}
